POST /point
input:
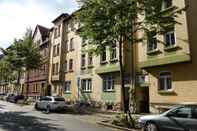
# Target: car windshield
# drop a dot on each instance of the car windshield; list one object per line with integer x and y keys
{"x": 59, "y": 99}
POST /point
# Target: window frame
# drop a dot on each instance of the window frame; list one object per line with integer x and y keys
{"x": 106, "y": 80}
{"x": 151, "y": 39}
{"x": 165, "y": 80}
{"x": 71, "y": 65}
{"x": 170, "y": 35}
{"x": 71, "y": 44}
{"x": 113, "y": 52}
{"x": 83, "y": 61}
{"x": 66, "y": 89}
{"x": 86, "y": 85}
{"x": 104, "y": 53}
{"x": 90, "y": 59}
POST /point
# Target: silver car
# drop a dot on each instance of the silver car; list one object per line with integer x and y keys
{"x": 51, "y": 103}
{"x": 182, "y": 118}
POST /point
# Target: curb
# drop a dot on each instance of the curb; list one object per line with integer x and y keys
{"x": 104, "y": 123}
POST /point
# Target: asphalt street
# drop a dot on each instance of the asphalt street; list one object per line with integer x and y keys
{"x": 24, "y": 118}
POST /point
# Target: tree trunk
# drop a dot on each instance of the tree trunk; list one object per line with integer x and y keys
{"x": 122, "y": 76}
{"x": 18, "y": 81}
{"x": 27, "y": 88}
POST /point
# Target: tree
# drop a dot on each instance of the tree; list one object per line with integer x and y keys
{"x": 31, "y": 56}
{"x": 105, "y": 22}
{"x": 13, "y": 56}
{"x": 23, "y": 54}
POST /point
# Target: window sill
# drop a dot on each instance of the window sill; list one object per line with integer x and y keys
{"x": 86, "y": 91}
{"x": 67, "y": 92}
{"x": 71, "y": 71}
{"x": 108, "y": 91}
{"x": 166, "y": 92}
{"x": 71, "y": 50}
{"x": 103, "y": 62}
{"x": 153, "y": 52}
{"x": 90, "y": 66}
{"x": 172, "y": 48}
{"x": 83, "y": 68}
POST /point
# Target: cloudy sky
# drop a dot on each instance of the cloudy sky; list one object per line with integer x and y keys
{"x": 17, "y": 15}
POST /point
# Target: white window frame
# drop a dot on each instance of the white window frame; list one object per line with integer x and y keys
{"x": 67, "y": 88}
{"x": 114, "y": 50}
{"x": 165, "y": 79}
{"x": 88, "y": 85}
{"x": 106, "y": 80}
{"x": 165, "y": 38}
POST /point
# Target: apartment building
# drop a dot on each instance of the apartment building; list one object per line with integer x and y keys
{"x": 38, "y": 80}
{"x": 172, "y": 66}
{"x": 57, "y": 49}
{"x": 81, "y": 76}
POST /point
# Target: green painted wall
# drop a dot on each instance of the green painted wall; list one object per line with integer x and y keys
{"x": 165, "y": 60}
{"x": 108, "y": 97}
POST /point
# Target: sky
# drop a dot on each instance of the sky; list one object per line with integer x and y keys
{"x": 18, "y": 15}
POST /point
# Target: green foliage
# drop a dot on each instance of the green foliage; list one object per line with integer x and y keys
{"x": 22, "y": 54}
{"x": 105, "y": 21}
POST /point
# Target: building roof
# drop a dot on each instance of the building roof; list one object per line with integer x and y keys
{"x": 43, "y": 30}
{"x": 63, "y": 15}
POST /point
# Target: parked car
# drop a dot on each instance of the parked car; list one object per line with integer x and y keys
{"x": 9, "y": 97}
{"x": 2, "y": 95}
{"x": 51, "y": 103}
{"x": 181, "y": 118}
{"x": 15, "y": 98}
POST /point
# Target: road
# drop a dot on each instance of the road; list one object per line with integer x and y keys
{"x": 24, "y": 118}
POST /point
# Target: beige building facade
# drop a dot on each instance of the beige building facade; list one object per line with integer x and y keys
{"x": 172, "y": 66}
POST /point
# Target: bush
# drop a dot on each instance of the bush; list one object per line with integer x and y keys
{"x": 124, "y": 120}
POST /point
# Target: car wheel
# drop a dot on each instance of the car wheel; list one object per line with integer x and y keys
{"x": 151, "y": 127}
{"x": 48, "y": 109}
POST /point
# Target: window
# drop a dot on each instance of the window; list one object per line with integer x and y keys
{"x": 72, "y": 44}
{"x": 90, "y": 59}
{"x": 56, "y": 68}
{"x": 108, "y": 83}
{"x": 71, "y": 65}
{"x": 59, "y": 28}
{"x": 65, "y": 66}
{"x": 113, "y": 52}
{"x": 103, "y": 56}
{"x": 169, "y": 39}
{"x": 54, "y": 50}
{"x": 83, "y": 60}
{"x": 165, "y": 81}
{"x": 167, "y": 3}
{"x": 72, "y": 25}
{"x": 66, "y": 46}
{"x": 152, "y": 41}
{"x": 182, "y": 112}
{"x": 53, "y": 70}
{"x": 67, "y": 88}
{"x": 55, "y": 33}
{"x": 86, "y": 85}
{"x": 58, "y": 50}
